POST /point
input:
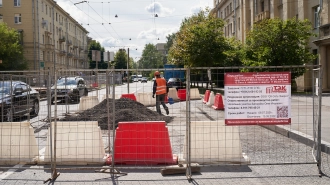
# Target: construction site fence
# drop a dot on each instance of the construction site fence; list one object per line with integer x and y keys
{"x": 116, "y": 124}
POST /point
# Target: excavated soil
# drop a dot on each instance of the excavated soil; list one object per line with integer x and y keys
{"x": 125, "y": 110}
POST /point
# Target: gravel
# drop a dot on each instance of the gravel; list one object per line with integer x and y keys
{"x": 125, "y": 110}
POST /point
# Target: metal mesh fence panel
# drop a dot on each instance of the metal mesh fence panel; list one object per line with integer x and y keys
{"x": 103, "y": 117}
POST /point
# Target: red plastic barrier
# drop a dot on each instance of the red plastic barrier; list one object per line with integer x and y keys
{"x": 145, "y": 143}
{"x": 206, "y": 96}
{"x": 182, "y": 94}
{"x": 95, "y": 85}
{"x": 130, "y": 96}
{"x": 218, "y": 102}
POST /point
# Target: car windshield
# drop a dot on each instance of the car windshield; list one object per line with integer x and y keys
{"x": 4, "y": 88}
{"x": 64, "y": 81}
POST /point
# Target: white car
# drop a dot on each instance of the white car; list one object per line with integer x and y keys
{"x": 135, "y": 80}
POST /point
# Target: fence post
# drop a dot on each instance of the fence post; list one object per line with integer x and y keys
{"x": 319, "y": 164}
{"x": 188, "y": 120}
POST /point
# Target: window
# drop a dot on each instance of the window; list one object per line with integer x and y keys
{"x": 262, "y": 6}
{"x": 17, "y": 2}
{"x": 18, "y": 19}
{"x": 46, "y": 9}
{"x": 56, "y": 17}
{"x": 42, "y": 6}
{"x": 230, "y": 9}
{"x": 316, "y": 16}
{"x": 0, "y": 3}
{"x": 239, "y": 23}
{"x": 0, "y": 17}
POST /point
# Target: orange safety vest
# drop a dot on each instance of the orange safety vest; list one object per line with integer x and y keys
{"x": 161, "y": 86}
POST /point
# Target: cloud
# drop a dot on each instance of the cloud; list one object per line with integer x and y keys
{"x": 156, "y": 33}
{"x": 158, "y": 8}
{"x": 109, "y": 42}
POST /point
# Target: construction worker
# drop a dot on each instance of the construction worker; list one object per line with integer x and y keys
{"x": 160, "y": 89}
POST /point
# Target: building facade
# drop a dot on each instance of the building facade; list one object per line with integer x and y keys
{"x": 51, "y": 38}
{"x": 241, "y": 15}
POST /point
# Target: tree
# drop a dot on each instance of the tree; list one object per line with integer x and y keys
{"x": 169, "y": 41}
{"x": 94, "y": 45}
{"x": 11, "y": 51}
{"x": 151, "y": 58}
{"x": 275, "y": 42}
{"x": 200, "y": 42}
{"x": 121, "y": 59}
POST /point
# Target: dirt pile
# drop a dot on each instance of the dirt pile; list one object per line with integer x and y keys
{"x": 125, "y": 110}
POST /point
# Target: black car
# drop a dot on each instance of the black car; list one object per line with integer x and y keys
{"x": 174, "y": 83}
{"x": 18, "y": 99}
{"x": 69, "y": 89}
{"x": 144, "y": 79}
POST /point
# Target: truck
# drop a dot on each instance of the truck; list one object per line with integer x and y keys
{"x": 171, "y": 73}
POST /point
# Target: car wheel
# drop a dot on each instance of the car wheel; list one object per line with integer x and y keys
{"x": 9, "y": 115}
{"x": 52, "y": 101}
{"x": 35, "y": 108}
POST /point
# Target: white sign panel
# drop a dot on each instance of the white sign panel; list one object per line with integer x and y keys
{"x": 262, "y": 98}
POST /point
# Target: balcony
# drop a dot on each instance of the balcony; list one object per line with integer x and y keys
{"x": 49, "y": 46}
{"x": 81, "y": 48}
{"x": 61, "y": 39}
{"x": 62, "y": 52}
{"x": 47, "y": 33}
{"x": 70, "y": 55}
{"x": 261, "y": 16}
{"x": 69, "y": 42}
{"x": 81, "y": 58}
{"x": 325, "y": 31}
{"x": 76, "y": 57}
{"x": 75, "y": 44}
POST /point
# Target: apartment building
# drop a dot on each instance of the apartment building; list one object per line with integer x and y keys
{"x": 241, "y": 15}
{"x": 51, "y": 38}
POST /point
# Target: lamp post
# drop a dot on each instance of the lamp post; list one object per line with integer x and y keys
{"x": 127, "y": 71}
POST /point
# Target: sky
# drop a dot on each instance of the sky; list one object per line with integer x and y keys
{"x": 135, "y": 25}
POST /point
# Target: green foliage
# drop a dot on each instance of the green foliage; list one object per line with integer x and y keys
{"x": 94, "y": 45}
{"x": 121, "y": 59}
{"x": 11, "y": 51}
{"x": 275, "y": 42}
{"x": 169, "y": 40}
{"x": 200, "y": 42}
{"x": 151, "y": 58}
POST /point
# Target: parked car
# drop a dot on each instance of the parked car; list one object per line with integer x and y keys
{"x": 174, "y": 83}
{"x": 144, "y": 79}
{"x": 17, "y": 100}
{"x": 69, "y": 89}
{"x": 135, "y": 80}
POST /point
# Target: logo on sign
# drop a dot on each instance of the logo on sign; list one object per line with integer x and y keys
{"x": 276, "y": 89}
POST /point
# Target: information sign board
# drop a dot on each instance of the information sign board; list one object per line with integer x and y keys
{"x": 262, "y": 98}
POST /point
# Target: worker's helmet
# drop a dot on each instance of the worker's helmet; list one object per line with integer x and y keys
{"x": 157, "y": 73}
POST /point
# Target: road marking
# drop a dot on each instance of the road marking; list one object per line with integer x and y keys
{"x": 11, "y": 171}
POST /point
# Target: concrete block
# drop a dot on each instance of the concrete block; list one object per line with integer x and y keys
{"x": 76, "y": 143}
{"x": 117, "y": 96}
{"x": 87, "y": 102}
{"x": 214, "y": 143}
{"x": 172, "y": 92}
{"x": 194, "y": 94}
{"x": 18, "y": 143}
{"x": 146, "y": 99}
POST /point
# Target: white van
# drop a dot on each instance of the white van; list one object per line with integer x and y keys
{"x": 139, "y": 77}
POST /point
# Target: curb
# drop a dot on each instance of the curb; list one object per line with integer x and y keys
{"x": 298, "y": 136}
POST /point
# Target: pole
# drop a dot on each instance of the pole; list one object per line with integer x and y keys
{"x": 127, "y": 71}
